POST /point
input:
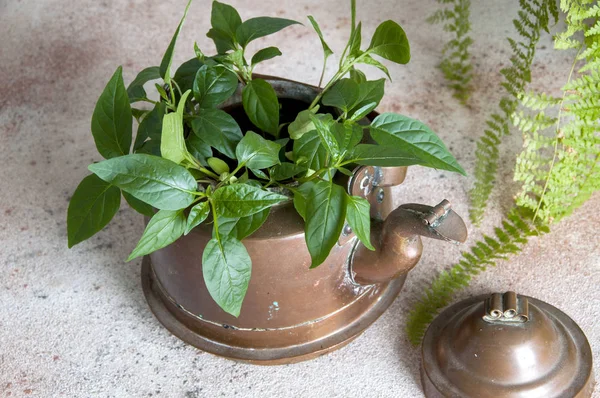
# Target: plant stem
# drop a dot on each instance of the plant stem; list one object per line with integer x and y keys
{"x": 314, "y": 175}
{"x": 148, "y": 100}
{"x": 178, "y": 89}
{"x": 320, "y": 95}
{"x": 344, "y": 68}
{"x": 207, "y": 172}
{"x": 323, "y": 71}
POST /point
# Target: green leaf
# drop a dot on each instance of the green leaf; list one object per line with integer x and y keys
{"x": 186, "y": 74}
{"x": 261, "y": 105}
{"x": 254, "y": 28}
{"x": 384, "y": 156}
{"x": 370, "y": 91}
{"x": 302, "y": 124}
{"x": 310, "y": 148}
{"x": 165, "y": 64}
{"x": 93, "y": 205}
{"x": 355, "y": 40}
{"x": 347, "y": 135}
{"x": 367, "y": 59}
{"x": 213, "y": 85}
{"x": 151, "y": 126}
{"x": 265, "y": 54}
{"x": 363, "y": 111}
{"x": 218, "y": 129}
{"x": 323, "y": 123}
{"x": 358, "y": 214}
{"x": 358, "y": 76}
{"x": 150, "y": 147}
{"x": 242, "y": 227}
{"x": 197, "y": 215}
{"x": 139, "y": 206}
{"x": 162, "y": 92}
{"x": 259, "y": 174}
{"x": 389, "y": 41}
{"x": 300, "y": 195}
{"x": 225, "y": 19}
{"x": 172, "y": 141}
{"x": 286, "y": 171}
{"x": 325, "y": 216}
{"x": 326, "y": 50}
{"x": 163, "y": 229}
{"x": 154, "y": 180}
{"x": 198, "y": 148}
{"x": 226, "y": 266}
{"x": 112, "y": 119}
{"x": 353, "y": 15}
{"x": 414, "y": 137}
{"x": 240, "y": 200}
{"x": 136, "y": 91}
{"x": 256, "y": 152}
{"x": 139, "y": 114}
{"x": 199, "y": 54}
{"x": 342, "y": 94}
{"x": 223, "y": 43}
{"x": 218, "y": 165}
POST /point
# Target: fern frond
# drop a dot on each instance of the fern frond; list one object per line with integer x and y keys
{"x": 558, "y": 167}
{"x": 533, "y": 17}
{"x": 537, "y": 101}
{"x": 487, "y": 252}
{"x": 554, "y": 186}
{"x": 456, "y": 59}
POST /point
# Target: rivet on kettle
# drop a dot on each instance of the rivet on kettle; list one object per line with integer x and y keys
{"x": 380, "y": 195}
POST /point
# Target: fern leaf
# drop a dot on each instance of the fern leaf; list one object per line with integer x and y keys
{"x": 532, "y": 18}
{"x": 456, "y": 63}
{"x": 558, "y": 167}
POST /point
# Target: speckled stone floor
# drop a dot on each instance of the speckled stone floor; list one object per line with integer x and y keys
{"x": 74, "y": 323}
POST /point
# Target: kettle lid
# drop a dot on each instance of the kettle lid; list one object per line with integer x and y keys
{"x": 505, "y": 345}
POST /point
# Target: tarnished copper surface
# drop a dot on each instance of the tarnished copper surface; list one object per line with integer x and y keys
{"x": 398, "y": 240}
{"x": 292, "y": 312}
{"x": 476, "y": 348}
{"x": 253, "y": 345}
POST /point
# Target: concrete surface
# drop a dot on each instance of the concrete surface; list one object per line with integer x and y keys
{"x": 74, "y": 323}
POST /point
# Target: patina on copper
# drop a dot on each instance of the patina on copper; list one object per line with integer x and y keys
{"x": 292, "y": 312}
{"x": 505, "y": 346}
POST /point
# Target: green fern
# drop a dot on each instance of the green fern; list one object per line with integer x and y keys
{"x": 533, "y": 18}
{"x": 564, "y": 152}
{"x": 456, "y": 59}
{"x": 558, "y": 167}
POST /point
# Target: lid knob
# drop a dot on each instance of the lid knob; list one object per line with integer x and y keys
{"x": 506, "y": 308}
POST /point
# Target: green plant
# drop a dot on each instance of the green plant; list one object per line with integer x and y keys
{"x": 192, "y": 162}
{"x": 534, "y": 17}
{"x": 456, "y": 62}
{"x": 558, "y": 166}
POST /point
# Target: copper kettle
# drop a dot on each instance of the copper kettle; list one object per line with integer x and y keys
{"x": 292, "y": 312}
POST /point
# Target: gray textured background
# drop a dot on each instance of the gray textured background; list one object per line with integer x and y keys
{"x": 74, "y": 323}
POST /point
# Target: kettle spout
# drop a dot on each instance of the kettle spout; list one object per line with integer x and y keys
{"x": 397, "y": 240}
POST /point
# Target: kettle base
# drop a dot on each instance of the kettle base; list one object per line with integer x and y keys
{"x": 173, "y": 317}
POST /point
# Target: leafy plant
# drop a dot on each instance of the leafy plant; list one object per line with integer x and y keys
{"x": 456, "y": 62}
{"x": 558, "y": 166}
{"x": 534, "y": 17}
{"x": 193, "y": 165}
